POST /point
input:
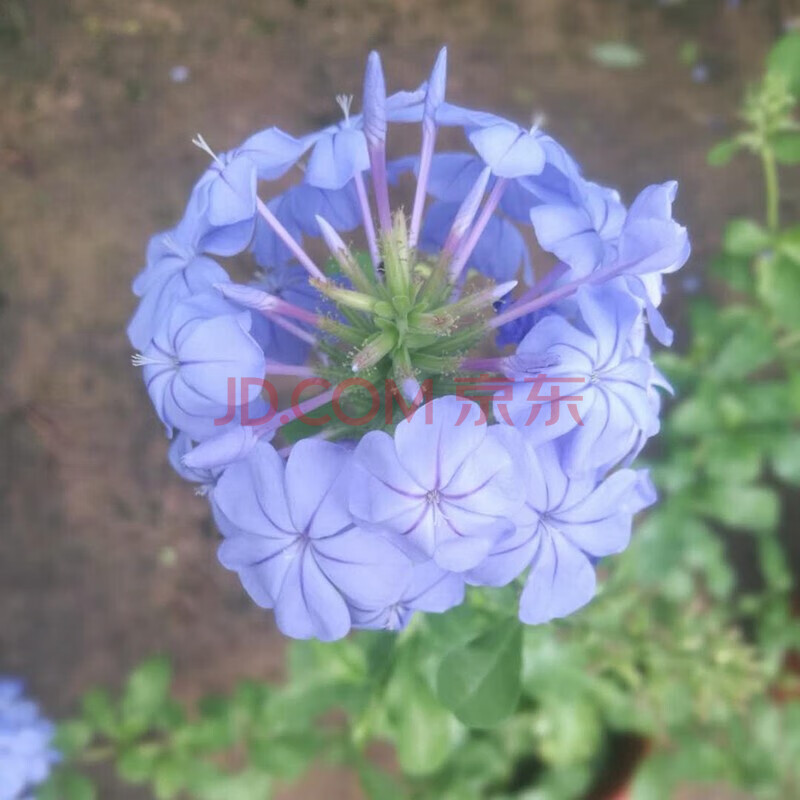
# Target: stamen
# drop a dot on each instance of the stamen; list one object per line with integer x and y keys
{"x": 295, "y": 412}
{"x": 520, "y": 309}
{"x": 345, "y": 101}
{"x": 264, "y": 302}
{"x": 299, "y": 332}
{"x": 344, "y": 258}
{"x": 200, "y": 142}
{"x": 538, "y": 121}
{"x": 375, "y": 133}
{"x": 369, "y": 224}
{"x": 380, "y": 345}
{"x": 278, "y": 368}
{"x": 141, "y": 360}
{"x": 468, "y": 244}
{"x": 466, "y": 213}
{"x": 289, "y": 241}
{"x": 434, "y": 97}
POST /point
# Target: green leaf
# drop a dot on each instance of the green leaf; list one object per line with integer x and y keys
{"x": 146, "y": 693}
{"x": 480, "y": 682}
{"x": 617, "y": 55}
{"x": 787, "y": 147}
{"x": 247, "y": 785}
{"x": 172, "y": 774}
{"x": 786, "y": 459}
{"x": 137, "y": 763}
{"x": 73, "y": 737}
{"x": 742, "y": 507}
{"x": 789, "y": 243}
{"x": 744, "y": 237}
{"x": 425, "y": 733}
{"x": 285, "y": 757}
{"x": 779, "y": 288}
{"x": 722, "y": 152}
{"x": 569, "y": 731}
{"x": 98, "y": 710}
{"x": 736, "y": 271}
{"x": 68, "y": 786}
{"x": 745, "y": 351}
{"x": 784, "y": 58}
{"x": 774, "y": 564}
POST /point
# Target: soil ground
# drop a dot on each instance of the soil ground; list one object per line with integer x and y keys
{"x": 105, "y": 555}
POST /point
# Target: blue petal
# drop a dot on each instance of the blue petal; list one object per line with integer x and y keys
{"x": 337, "y": 158}
{"x": 274, "y": 152}
{"x": 561, "y": 581}
{"x": 510, "y": 151}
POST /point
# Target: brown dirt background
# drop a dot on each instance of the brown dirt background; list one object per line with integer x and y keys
{"x": 105, "y": 555}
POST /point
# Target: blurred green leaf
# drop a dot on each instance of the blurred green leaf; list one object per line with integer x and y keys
{"x": 480, "y": 682}
{"x": 745, "y": 351}
{"x": 137, "y": 763}
{"x": 744, "y": 237}
{"x": 779, "y": 288}
{"x": 787, "y": 147}
{"x": 99, "y": 711}
{"x": 617, "y": 55}
{"x": 146, "y": 695}
{"x": 284, "y": 757}
{"x": 789, "y": 243}
{"x": 749, "y": 507}
{"x": 721, "y": 153}
{"x": 67, "y": 785}
{"x": 249, "y": 784}
{"x": 569, "y": 731}
{"x": 424, "y": 732}
{"x": 786, "y": 458}
{"x": 736, "y": 271}
{"x": 72, "y": 737}
{"x": 784, "y": 58}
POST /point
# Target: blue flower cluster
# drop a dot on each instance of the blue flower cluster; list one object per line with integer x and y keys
{"x": 26, "y": 752}
{"x": 527, "y": 480}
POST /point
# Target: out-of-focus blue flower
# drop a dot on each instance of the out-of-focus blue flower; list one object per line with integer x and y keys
{"x": 26, "y": 752}
{"x": 565, "y": 525}
{"x": 299, "y": 551}
{"x": 445, "y": 485}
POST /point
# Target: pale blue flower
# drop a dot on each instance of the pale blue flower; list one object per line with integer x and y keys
{"x": 195, "y": 365}
{"x": 565, "y": 525}
{"x": 299, "y": 551}
{"x": 595, "y": 396}
{"x": 430, "y": 589}
{"x": 26, "y": 752}
{"x": 326, "y": 532}
{"x": 444, "y": 485}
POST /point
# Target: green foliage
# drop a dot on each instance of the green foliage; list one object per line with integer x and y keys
{"x": 476, "y": 706}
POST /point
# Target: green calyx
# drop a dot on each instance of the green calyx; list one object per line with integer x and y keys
{"x": 400, "y": 322}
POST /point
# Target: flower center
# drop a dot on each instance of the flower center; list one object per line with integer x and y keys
{"x": 408, "y": 322}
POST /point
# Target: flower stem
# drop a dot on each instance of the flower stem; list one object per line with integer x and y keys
{"x": 771, "y": 188}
